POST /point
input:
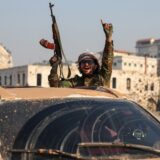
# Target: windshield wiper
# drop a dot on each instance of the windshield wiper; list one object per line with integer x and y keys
{"x": 51, "y": 152}
{"x": 121, "y": 144}
{"x": 87, "y": 146}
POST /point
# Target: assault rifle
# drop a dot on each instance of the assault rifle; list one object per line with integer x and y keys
{"x": 58, "y": 45}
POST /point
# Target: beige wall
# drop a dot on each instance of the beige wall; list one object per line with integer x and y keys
{"x": 5, "y": 58}
{"x": 25, "y": 75}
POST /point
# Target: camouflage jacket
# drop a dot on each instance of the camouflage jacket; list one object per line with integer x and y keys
{"x": 100, "y": 79}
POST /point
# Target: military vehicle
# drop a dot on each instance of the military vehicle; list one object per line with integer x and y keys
{"x": 79, "y": 123}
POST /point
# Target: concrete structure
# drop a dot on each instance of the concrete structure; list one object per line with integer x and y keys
{"x": 143, "y": 65}
{"x": 148, "y": 47}
{"x": 28, "y": 75}
{"x": 136, "y": 76}
{"x": 5, "y": 58}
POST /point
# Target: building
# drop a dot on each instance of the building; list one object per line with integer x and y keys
{"x": 30, "y": 75}
{"x": 23, "y": 76}
{"x": 136, "y": 76}
{"x": 148, "y": 47}
{"x": 132, "y": 63}
{"x": 5, "y": 58}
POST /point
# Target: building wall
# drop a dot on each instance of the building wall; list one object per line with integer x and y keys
{"x": 12, "y": 76}
{"x": 140, "y": 87}
{"x": 158, "y": 66}
{"x": 144, "y": 65}
{"x": 149, "y": 47}
{"x": 5, "y": 58}
{"x": 24, "y": 76}
{"x": 141, "y": 72}
{"x": 28, "y": 75}
{"x": 34, "y": 70}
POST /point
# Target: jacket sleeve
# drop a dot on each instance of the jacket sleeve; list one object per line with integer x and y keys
{"x": 107, "y": 60}
{"x": 55, "y": 81}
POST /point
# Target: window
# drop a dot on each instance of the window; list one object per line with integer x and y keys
{"x": 10, "y": 80}
{"x": 152, "y": 87}
{"x": 114, "y": 82}
{"x": 128, "y": 83}
{"x": 39, "y": 79}
{"x": 146, "y": 87}
{"x": 23, "y": 79}
{"x": 18, "y": 78}
{"x": 5, "y": 80}
{"x": 115, "y": 64}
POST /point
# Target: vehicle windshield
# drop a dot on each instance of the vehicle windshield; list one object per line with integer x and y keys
{"x": 120, "y": 121}
{"x": 63, "y": 126}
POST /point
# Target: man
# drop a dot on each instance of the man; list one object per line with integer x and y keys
{"x": 93, "y": 74}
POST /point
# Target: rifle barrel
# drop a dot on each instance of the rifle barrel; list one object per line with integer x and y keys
{"x": 50, "y": 6}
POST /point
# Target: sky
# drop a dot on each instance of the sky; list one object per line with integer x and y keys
{"x": 24, "y": 22}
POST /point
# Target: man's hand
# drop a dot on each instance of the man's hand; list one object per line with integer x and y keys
{"x": 54, "y": 60}
{"x": 47, "y": 44}
{"x": 108, "y": 30}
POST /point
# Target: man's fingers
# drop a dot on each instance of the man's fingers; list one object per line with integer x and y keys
{"x": 102, "y": 22}
{"x": 110, "y": 24}
{"x": 41, "y": 41}
{"x": 106, "y": 25}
